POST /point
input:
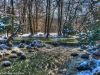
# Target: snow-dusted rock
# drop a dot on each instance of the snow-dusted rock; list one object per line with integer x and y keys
{"x": 28, "y": 47}
{"x": 98, "y": 46}
{"x": 22, "y": 57}
{"x": 20, "y": 53}
{"x": 91, "y": 49}
{"x": 37, "y": 43}
{"x": 6, "y": 63}
{"x": 85, "y": 56}
{"x": 3, "y": 46}
{"x": 2, "y": 40}
{"x": 96, "y": 71}
{"x": 83, "y": 47}
{"x": 21, "y": 45}
{"x": 83, "y": 66}
{"x": 94, "y": 63}
{"x": 96, "y": 54}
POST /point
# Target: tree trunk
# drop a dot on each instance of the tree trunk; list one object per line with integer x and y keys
{"x": 12, "y": 12}
{"x": 30, "y": 16}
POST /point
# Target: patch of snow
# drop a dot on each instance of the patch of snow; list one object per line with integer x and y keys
{"x": 75, "y": 37}
{"x": 24, "y": 35}
{"x": 39, "y": 34}
{"x": 53, "y": 34}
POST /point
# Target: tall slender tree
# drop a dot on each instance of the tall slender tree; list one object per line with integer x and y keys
{"x": 12, "y": 12}
{"x": 30, "y": 16}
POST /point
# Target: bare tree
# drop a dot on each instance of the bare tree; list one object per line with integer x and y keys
{"x": 60, "y": 16}
{"x": 12, "y": 12}
{"x": 30, "y": 16}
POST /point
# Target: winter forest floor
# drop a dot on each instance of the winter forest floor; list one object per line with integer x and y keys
{"x": 45, "y": 61}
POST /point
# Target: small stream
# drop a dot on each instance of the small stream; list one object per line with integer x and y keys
{"x": 92, "y": 65}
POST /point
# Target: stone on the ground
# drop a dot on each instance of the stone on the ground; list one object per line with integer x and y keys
{"x": 96, "y": 54}
{"x": 87, "y": 72}
{"x": 22, "y": 57}
{"x": 28, "y": 47}
{"x": 83, "y": 66}
{"x": 96, "y": 71}
{"x": 20, "y": 53}
{"x": 37, "y": 43}
{"x": 2, "y": 41}
{"x": 74, "y": 54}
{"x": 91, "y": 49}
{"x": 55, "y": 43}
{"x": 30, "y": 50}
{"x": 6, "y": 63}
{"x": 13, "y": 55}
{"x": 6, "y": 54}
{"x": 21, "y": 45}
{"x": 83, "y": 47}
{"x": 98, "y": 46}
{"x": 13, "y": 51}
{"x": 94, "y": 63}
{"x": 85, "y": 56}
{"x": 3, "y": 46}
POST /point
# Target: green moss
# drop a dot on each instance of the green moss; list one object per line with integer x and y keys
{"x": 48, "y": 40}
{"x": 68, "y": 40}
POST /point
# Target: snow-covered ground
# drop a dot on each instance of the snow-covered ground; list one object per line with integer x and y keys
{"x": 24, "y": 35}
{"x": 39, "y": 34}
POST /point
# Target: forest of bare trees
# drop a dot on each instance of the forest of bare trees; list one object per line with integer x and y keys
{"x": 47, "y": 16}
